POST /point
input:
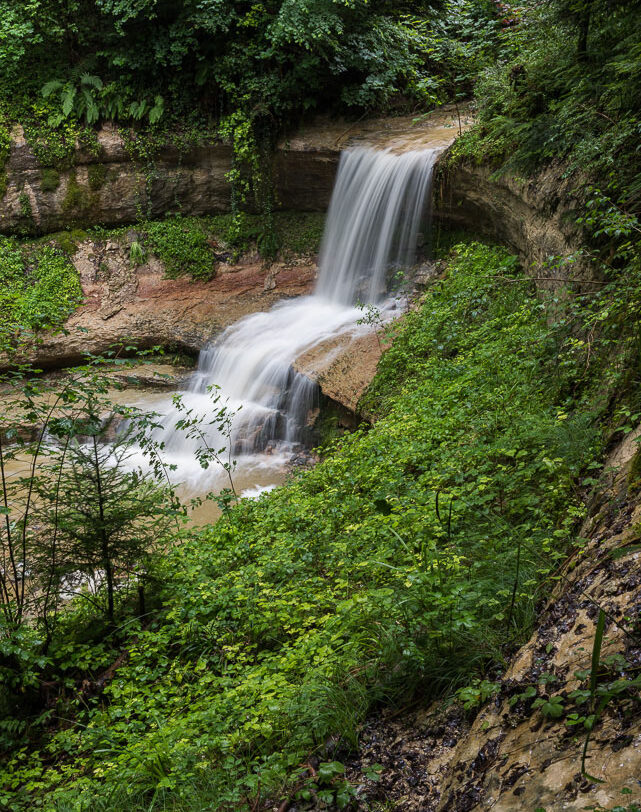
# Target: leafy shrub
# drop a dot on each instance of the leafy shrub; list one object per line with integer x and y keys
{"x": 182, "y": 244}
{"x": 566, "y": 87}
{"x": 5, "y": 144}
{"x": 37, "y": 289}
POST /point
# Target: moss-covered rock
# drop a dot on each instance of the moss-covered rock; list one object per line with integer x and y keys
{"x": 49, "y": 180}
{"x": 96, "y": 176}
{"x": 77, "y": 197}
{"x": 69, "y": 240}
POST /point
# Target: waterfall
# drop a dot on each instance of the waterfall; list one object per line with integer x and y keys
{"x": 372, "y": 222}
{"x": 377, "y": 207}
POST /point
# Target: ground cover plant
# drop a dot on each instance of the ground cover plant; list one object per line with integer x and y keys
{"x": 39, "y": 286}
{"x": 193, "y": 245}
{"x": 409, "y": 560}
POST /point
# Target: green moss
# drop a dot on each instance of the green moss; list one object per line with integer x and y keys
{"x": 69, "y": 240}
{"x": 4, "y": 182}
{"x": 97, "y": 175}
{"x": 25, "y": 205}
{"x": 77, "y": 197}
{"x": 49, "y": 180}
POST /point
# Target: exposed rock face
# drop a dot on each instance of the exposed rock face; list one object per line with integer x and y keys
{"x": 343, "y": 367}
{"x": 139, "y": 306}
{"x": 535, "y": 217}
{"x": 110, "y": 188}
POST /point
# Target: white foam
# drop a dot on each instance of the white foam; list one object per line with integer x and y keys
{"x": 375, "y": 213}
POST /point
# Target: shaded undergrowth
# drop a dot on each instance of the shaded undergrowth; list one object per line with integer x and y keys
{"x": 408, "y": 561}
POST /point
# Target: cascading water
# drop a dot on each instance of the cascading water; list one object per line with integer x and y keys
{"x": 377, "y": 207}
{"x": 374, "y": 217}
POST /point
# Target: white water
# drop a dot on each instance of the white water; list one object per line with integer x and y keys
{"x": 377, "y": 208}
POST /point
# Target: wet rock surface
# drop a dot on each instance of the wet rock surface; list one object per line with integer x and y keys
{"x": 343, "y": 366}
{"x": 535, "y": 217}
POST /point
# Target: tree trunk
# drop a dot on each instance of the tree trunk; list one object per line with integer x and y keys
{"x": 584, "y": 30}
{"x": 104, "y": 541}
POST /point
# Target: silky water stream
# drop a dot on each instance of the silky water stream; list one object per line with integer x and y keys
{"x": 378, "y": 206}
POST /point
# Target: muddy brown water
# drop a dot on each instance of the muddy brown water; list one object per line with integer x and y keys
{"x": 152, "y": 392}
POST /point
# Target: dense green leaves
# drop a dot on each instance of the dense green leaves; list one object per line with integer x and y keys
{"x": 409, "y": 557}
{"x": 566, "y": 87}
{"x": 118, "y": 59}
{"x": 38, "y": 287}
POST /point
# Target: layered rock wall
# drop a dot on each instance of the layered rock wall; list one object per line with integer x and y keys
{"x": 535, "y": 217}
{"x": 108, "y": 186}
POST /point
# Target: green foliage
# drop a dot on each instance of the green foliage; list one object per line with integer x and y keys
{"x": 77, "y": 100}
{"x": 193, "y": 245}
{"x": 132, "y": 62}
{"x": 566, "y": 87}
{"x": 5, "y": 144}
{"x": 97, "y": 515}
{"x": 476, "y": 694}
{"x": 55, "y": 146}
{"x": 367, "y": 577}
{"x": 78, "y": 521}
{"x": 25, "y": 206}
{"x": 137, "y": 255}
{"x": 38, "y": 287}
{"x": 182, "y": 245}
{"x": 5, "y": 149}
{"x": 241, "y": 70}
{"x": 299, "y": 233}
{"x": 296, "y": 233}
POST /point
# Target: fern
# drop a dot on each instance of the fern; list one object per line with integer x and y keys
{"x": 156, "y": 112}
{"x": 91, "y": 81}
{"x": 51, "y": 87}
